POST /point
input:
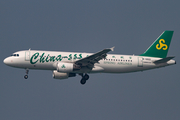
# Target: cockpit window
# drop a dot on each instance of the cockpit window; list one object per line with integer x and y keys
{"x": 16, "y": 55}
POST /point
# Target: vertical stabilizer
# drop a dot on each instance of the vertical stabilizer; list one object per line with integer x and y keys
{"x": 160, "y": 46}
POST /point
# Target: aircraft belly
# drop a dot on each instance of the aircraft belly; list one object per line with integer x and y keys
{"x": 41, "y": 66}
{"x": 118, "y": 68}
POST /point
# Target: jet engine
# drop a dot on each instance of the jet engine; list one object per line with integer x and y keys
{"x": 67, "y": 67}
{"x": 59, "y": 75}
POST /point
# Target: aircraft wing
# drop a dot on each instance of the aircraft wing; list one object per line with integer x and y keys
{"x": 89, "y": 61}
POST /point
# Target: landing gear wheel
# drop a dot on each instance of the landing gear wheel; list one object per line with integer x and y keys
{"x": 83, "y": 81}
{"x": 26, "y": 77}
{"x": 86, "y": 77}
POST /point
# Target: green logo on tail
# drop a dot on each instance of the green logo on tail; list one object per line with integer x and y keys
{"x": 160, "y": 46}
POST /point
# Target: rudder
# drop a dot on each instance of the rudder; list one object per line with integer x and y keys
{"x": 160, "y": 46}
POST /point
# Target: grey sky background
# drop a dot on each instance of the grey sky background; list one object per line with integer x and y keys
{"x": 89, "y": 26}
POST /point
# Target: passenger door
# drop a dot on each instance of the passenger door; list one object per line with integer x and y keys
{"x": 140, "y": 62}
{"x": 27, "y": 55}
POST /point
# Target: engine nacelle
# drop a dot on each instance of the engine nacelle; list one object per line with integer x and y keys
{"x": 59, "y": 75}
{"x": 67, "y": 67}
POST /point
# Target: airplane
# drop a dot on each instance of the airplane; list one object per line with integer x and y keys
{"x": 68, "y": 64}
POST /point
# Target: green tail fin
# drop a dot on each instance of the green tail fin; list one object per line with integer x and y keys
{"x": 160, "y": 46}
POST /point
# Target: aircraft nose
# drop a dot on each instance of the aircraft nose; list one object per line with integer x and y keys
{"x": 6, "y": 61}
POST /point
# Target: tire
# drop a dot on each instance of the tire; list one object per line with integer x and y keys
{"x": 26, "y": 77}
{"x": 86, "y": 77}
{"x": 83, "y": 81}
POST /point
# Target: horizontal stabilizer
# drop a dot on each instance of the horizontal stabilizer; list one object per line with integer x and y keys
{"x": 163, "y": 60}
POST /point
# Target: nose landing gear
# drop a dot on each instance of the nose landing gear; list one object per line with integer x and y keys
{"x": 84, "y": 78}
{"x": 26, "y": 76}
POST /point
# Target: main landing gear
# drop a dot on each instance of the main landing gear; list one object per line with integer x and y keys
{"x": 26, "y": 76}
{"x": 84, "y": 78}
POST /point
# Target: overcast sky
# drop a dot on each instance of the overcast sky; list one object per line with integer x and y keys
{"x": 89, "y": 26}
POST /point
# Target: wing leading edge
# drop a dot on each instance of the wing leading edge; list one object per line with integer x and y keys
{"x": 89, "y": 61}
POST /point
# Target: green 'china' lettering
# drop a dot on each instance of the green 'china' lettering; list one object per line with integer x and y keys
{"x": 80, "y": 56}
{"x": 52, "y": 58}
{"x": 75, "y": 56}
{"x": 43, "y": 58}
{"x": 47, "y": 58}
{"x": 34, "y": 57}
{"x": 70, "y": 57}
{"x": 58, "y": 58}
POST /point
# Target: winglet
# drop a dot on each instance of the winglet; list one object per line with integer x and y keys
{"x": 112, "y": 49}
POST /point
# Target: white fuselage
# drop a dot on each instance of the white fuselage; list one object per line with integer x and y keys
{"x": 114, "y": 63}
